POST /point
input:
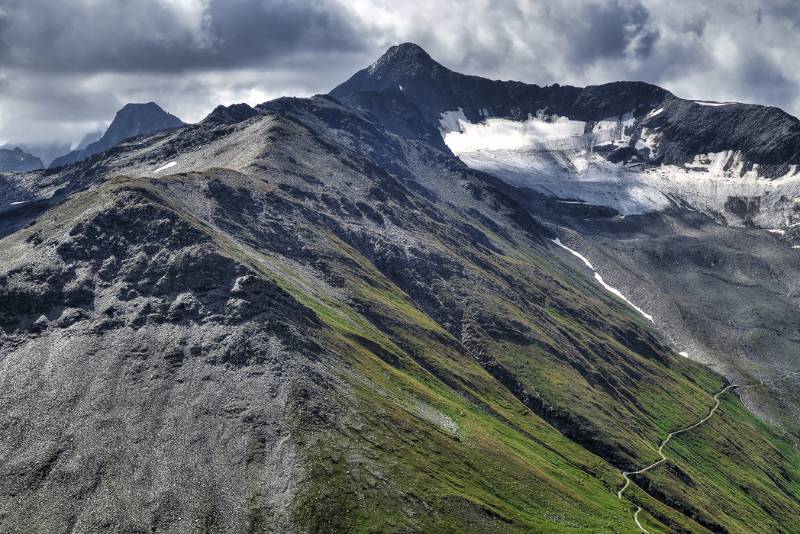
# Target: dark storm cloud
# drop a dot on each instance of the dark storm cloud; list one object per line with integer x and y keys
{"x": 153, "y": 35}
{"x": 66, "y": 66}
{"x": 769, "y": 83}
{"x": 610, "y": 30}
{"x": 786, "y": 11}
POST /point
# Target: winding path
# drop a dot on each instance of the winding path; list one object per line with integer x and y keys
{"x": 625, "y": 474}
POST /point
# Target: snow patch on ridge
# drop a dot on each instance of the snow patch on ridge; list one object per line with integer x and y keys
{"x": 618, "y": 293}
{"x": 165, "y": 167}
{"x": 614, "y": 130}
{"x": 713, "y": 104}
{"x": 450, "y": 121}
{"x": 612, "y": 290}
{"x": 503, "y": 134}
{"x": 648, "y": 139}
{"x": 709, "y": 181}
{"x": 575, "y": 253}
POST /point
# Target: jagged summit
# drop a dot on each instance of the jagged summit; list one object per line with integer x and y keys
{"x": 406, "y": 58}
{"x": 407, "y": 49}
{"x": 685, "y": 129}
{"x": 136, "y": 119}
{"x": 406, "y": 63}
{"x": 410, "y": 63}
{"x": 230, "y": 114}
{"x": 132, "y": 120}
{"x": 434, "y": 89}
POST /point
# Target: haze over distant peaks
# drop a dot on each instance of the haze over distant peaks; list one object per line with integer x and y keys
{"x": 90, "y": 138}
{"x": 17, "y": 160}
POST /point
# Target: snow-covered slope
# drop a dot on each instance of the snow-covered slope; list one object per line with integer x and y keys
{"x": 718, "y": 274}
{"x": 631, "y": 146}
{"x": 612, "y": 163}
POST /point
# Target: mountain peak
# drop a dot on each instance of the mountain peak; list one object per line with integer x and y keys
{"x": 145, "y": 111}
{"x": 400, "y": 66}
{"x": 131, "y": 120}
{"x": 137, "y": 119}
{"x": 141, "y": 105}
{"x": 409, "y": 71}
{"x": 404, "y": 51}
{"x": 408, "y": 48}
{"x": 403, "y": 60}
{"x": 230, "y": 114}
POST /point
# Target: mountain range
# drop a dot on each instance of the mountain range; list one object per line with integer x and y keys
{"x": 46, "y": 152}
{"x": 130, "y": 121}
{"x": 424, "y": 302}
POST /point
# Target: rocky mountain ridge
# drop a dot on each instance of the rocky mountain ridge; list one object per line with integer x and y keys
{"x": 765, "y": 136}
{"x": 309, "y": 315}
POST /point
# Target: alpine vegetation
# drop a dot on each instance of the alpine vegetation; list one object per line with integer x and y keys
{"x": 424, "y": 302}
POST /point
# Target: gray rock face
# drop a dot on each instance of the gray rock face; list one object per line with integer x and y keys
{"x": 309, "y": 315}
{"x": 17, "y": 160}
{"x": 724, "y": 295}
{"x": 764, "y": 135}
{"x": 433, "y": 89}
{"x": 736, "y": 307}
{"x": 130, "y": 121}
{"x": 151, "y": 327}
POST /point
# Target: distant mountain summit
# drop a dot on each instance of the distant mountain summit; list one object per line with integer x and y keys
{"x": 45, "y": 151}
{"x": 130, "y": 121}
{"x": 762, "y": 135}
{"x": 435, "y": 89}
{"x": 17, "y": 160}
{"x": 137, "y": 119}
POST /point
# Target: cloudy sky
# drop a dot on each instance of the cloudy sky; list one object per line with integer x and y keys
{"x": 67, "y": 65}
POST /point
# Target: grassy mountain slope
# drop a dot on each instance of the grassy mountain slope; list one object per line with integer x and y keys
{"x": 343, "y": 331}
